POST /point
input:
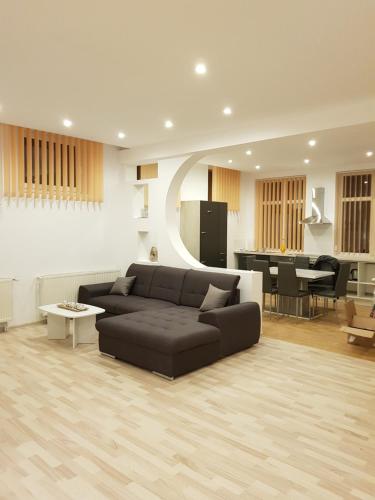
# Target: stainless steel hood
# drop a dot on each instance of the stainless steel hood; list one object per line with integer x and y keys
{"x": 317, "y": 208}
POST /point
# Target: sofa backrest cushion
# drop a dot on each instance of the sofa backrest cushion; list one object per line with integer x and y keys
{"x": 144, "y": 274}
{"x": 196, "y": 285}
{"x": 167, "y": 284}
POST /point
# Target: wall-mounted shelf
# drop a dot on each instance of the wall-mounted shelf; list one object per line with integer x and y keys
{"x": 142, "y": 224}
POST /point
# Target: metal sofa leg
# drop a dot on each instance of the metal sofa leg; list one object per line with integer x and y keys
{"x": 108, "y": 355}
{"x": 161, "y": 375}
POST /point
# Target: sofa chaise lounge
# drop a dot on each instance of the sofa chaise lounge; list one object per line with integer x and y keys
{"x": 159, "y": 326}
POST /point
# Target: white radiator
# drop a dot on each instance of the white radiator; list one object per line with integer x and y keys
{"x": 6, "y": 301}
{"x": 54, "y": 288}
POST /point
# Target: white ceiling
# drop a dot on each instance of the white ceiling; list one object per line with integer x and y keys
{"x": 339, "y": 147}
{"x": 128, "y": 65}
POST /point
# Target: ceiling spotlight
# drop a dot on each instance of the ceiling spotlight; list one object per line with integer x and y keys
{"x": 249, "y": 152}
{"x": 121, "y": 135}
{"x": 67, "y": 123}
{"x": 306, "y": 161}
{"x": 168, "y": 124}
{"x": 257, "y": 167}
{"x": 227, "y": 111}
{"x": 369, "y": 154}
{"x": 312, "y": 142}
{"x": 200, "y": 69}
{"x": 230, "y": 161}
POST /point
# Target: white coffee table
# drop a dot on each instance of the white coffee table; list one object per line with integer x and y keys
{"x": 83, "y": 323}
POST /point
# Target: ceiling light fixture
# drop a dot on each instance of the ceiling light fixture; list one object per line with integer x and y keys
{"x": 227, "y": 111}
{"x": 168, "y": 124}
{"x": 121, "y": 135}
{"x": 230, "y": 161}
{"x": 200, "y": 69}
{"x": 312, "y": 143}
{"x": 249, "y": 152}
{"x": 369, "y": 154}
{"x": 257, "y": 167}
{"x": 67, "y": 123}
{"x": 306, "y": 161}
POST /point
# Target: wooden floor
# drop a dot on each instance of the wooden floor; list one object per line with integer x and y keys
{"x": 323, "y": 333}
{"x": 277, "y": 421}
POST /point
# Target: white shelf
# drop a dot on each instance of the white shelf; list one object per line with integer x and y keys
{"x": 142, "y": 224}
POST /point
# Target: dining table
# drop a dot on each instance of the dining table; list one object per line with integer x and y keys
{"x": 305, "y": 276}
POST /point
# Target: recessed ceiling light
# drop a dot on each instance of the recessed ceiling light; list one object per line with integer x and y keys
{"x": 168, "y": 124}
{"x": 230, "y": 161}
{"x": 369, "y": 154}
{"x": 312, "y": 142}
{"x": 67, "y": 123}
{"x": 257, "y": 167}
{"x": 365, "y": 182}
{"x": 200, "y": 69}
{"x": 121, "y": 135}
{"x": 306, "y": 161}
{"x": 249, "y": 152}
{"x": 227, "y": 111}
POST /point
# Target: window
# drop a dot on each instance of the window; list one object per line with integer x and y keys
{"x": 354, "y": 205}
{"x": 39, "y": 164}
{"x": 280, "y": 206}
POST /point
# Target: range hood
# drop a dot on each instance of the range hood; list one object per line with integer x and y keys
{"x": 317, "y": 207}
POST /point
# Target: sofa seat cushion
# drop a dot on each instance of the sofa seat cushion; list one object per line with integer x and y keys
{"x": 117, "y": 304}
{"x": 168, "y": 331}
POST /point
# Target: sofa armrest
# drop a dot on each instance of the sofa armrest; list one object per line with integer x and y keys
{"x": 87, "y": 292}
{"x": 239, "y": 325}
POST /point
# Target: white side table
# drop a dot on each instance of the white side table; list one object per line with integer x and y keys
{"x": 58, "y": 320}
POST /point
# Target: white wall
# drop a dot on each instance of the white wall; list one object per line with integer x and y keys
{"x": 37, "y": 239}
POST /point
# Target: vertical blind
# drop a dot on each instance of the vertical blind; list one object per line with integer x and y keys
{"x": 38, "y": 164}
{"x": 280, "y": 206}
{"x": 354, "y": 212}
{"x": 226, "y": 186}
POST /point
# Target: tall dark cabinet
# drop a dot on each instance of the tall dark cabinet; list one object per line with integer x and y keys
{"x": 204, "y": 231}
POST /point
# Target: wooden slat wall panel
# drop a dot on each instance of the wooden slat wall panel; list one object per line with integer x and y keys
{"x": 354, "y": 208}
{"x": 35, "y": 163}
{"x": 226, "y": 185}
{"x": 279, "y": 208}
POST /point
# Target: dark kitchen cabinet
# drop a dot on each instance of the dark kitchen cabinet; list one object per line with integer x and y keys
{"x": 204, "y": 231}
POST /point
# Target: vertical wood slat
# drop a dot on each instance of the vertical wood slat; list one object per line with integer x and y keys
{"x": 29, "y": 166}
{"x": 14, "y": 168}
{"x": 79, "y": 169}
{"x": 90, "y": 171}
{"x": 36, "y": 164}
{"x": 84, "y": 171}
{"x": 58, "y": 167}
{"x": 44, "y": 165}
{"x": 21, "y": 162}
{"x": 51, "y": 164}
{"x": 100, "y": 172}
{"x": 71, "y": 145}
{"x": 6, "y": 160}
{"x": 64, "y": 168}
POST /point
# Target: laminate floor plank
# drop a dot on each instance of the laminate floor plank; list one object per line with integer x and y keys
{"x": 279, "y": 420}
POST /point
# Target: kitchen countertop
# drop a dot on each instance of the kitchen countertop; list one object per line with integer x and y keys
{"x": 351, "y": 258}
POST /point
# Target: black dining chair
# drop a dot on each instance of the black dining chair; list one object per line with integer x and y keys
{"x": 339, "y": 290}
{"x": 302, "y": 262}
{"x": 288, "y": 285}
{"x": 249, "y": 259}
{"x": 268, "y": 287}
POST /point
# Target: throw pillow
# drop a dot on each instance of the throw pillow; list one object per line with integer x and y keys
{"x": 122, "y": 286}
{"x": 215, "y": 298}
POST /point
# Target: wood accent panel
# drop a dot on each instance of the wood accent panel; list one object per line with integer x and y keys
{"x": 144, "y": 172}
{"x": 226, "y": 184}
{"x": 280, "y": 205}
{"x": 354, "y": 224}
{"x": 41, "y": 164}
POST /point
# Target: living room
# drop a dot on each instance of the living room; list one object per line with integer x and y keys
{"x": 187, "y": 255}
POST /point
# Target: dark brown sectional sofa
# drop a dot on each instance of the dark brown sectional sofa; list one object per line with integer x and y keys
{"x": 159, "y": 326}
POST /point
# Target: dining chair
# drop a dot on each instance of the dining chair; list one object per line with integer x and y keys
{"x": 268, "y": 287}
{"x": 288, "y": 285}
{"x": 249, "y": 259}
{"x": 302, "y": 262}
{"x": 339, "y": 289}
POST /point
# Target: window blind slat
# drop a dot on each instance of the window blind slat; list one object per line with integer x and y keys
{"x": 51, "y": 166}
{"x": 36, "y": 164}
